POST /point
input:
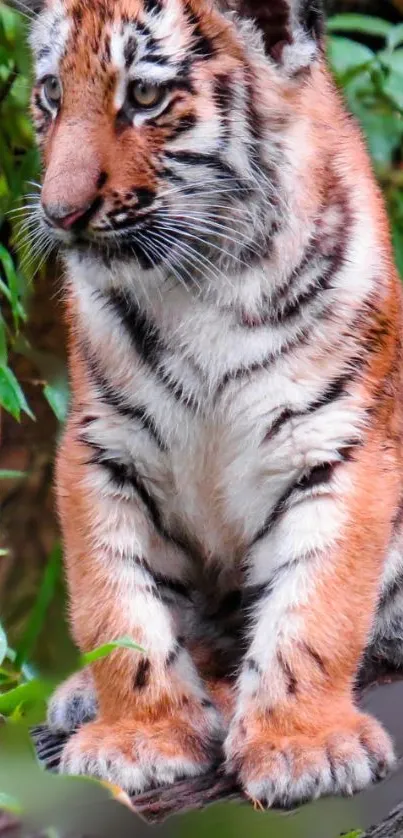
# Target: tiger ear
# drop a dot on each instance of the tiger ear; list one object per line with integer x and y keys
{"x": 292, "y": 30}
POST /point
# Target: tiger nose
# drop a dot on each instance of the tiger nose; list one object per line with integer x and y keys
{"x": 65, "y": 217}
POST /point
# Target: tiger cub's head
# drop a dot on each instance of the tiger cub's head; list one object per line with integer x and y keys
{"x": 161, "y": 125}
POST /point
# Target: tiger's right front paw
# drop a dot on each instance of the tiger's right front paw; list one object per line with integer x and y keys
{"x": 138, "y": 754}
{"x": 73, "y": 703}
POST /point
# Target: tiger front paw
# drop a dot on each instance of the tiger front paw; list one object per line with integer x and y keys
{"x": 290, "y": 769}
{"x": 137, "y": 755}
{"x": 73, "y": 704}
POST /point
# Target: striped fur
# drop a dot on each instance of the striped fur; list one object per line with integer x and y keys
{"x": 229, "y": 480}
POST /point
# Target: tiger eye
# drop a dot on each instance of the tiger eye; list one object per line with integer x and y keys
{"x": 52, "y": 90}
{"x": 143, "y": 95}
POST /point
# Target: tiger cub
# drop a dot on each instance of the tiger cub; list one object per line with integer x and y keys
{"x": 230, "y": 476}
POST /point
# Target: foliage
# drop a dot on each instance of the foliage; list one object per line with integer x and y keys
{"x": 18, "y": 170}
{"x": 373, "y": 85}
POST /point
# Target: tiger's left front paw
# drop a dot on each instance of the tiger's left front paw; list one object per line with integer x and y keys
{"x": 290, "y": 769}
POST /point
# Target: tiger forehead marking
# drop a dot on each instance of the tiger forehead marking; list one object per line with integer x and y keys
{"x": 167, "y": 36}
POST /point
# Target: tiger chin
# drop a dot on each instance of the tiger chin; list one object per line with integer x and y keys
{"x": 229, "y": 480}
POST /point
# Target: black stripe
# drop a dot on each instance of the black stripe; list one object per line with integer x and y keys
{"x": 248, "y": 371}
{"x": 281, "y": 308}
{"x": 183, "y": 124}
{"x": 87, "y": 420}
{"x": 292, "y": 682}
{"x": 306, "y": 297}
{"x": 163, "y": 119}
{"x": 152, "y": 6}
{"x": 122, "y": 474}
{"x": 259, "y": 366}
{"x": 161, "y": 580}
{"x": 253, "y": 666}
{"x": 148, "y": 344}
{"x": 394, "y": 588}
{"x": 398, "y": 516}
{"x": 223, "y": 96}
{"x": 202, "y": 46}
{"x": 43, "y": 53}
{"x": 130, "y": 51}
{"x": 156, "y": 58}
{"x": 41, "y": 107}
{"x": 173, "y": 585}
{"x": 125, "y": 474}
{"x": 114, "y": 399}
{"x": 311, "y": 15}
{"x": 145, "y": 197}
{"x": 253, "y": 594}
{"x": 306, "y": 647}
{"x": 319, "y": 475}
{"x": 172, "y": 176}
{"x": 173, "y": 655}
{"x": 143, "y": 673}
{"x": 194, "y": 158}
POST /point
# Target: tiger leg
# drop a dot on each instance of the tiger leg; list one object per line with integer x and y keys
{"x": 73, "y": 703}
{"x": 155, "y": 719}
{"x": 385, "y": 648}
{"x": 297, "y": 733}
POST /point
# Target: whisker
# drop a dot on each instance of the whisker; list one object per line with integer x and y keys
{"x": 190, "y": 235}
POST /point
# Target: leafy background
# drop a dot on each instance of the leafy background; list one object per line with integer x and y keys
{"x": 365, "y": 47}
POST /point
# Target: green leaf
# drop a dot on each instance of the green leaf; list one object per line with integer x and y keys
{"x": 10, "y": 804}
{"x": 10, "y": 22}
{"x": 392, "y": 76}
{"x": 57, "y": 395}
{"x": 395, "y": 37}
{"x": 3, "y": 644}
{"x": 24, "y": 695}
{"x": 10, "y": 474}
{"x": 346, "y": 55}
{"x": 3, "y": 342}
{"x": 107, "y": 648}
{"x": 393, "y": 89}
{"x": 5, "y": 290}
{"x": 53, "y": 371}
{"x": 12, "y": 280}
{"x": 383, "y": 132}
{"x": 40, "y": 608}
{"x": 11, "y": 396}
{"x": 397, "y": 238}
{"x": 392, "y": 60}
{"x": 3, "y": 552}
{"x": 364, "y": 24}
{"x": 8, "y": 396}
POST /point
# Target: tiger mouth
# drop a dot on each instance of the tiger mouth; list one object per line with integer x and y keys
{"x": 125, "y": 246}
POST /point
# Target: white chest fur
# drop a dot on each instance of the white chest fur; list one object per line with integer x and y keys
{"x": 232, "y": 405}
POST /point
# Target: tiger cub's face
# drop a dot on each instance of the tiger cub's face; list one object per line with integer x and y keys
{"x": 160, "y": 124}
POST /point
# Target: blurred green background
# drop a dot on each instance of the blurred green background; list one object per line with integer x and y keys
{"x": 365, "y": 47}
